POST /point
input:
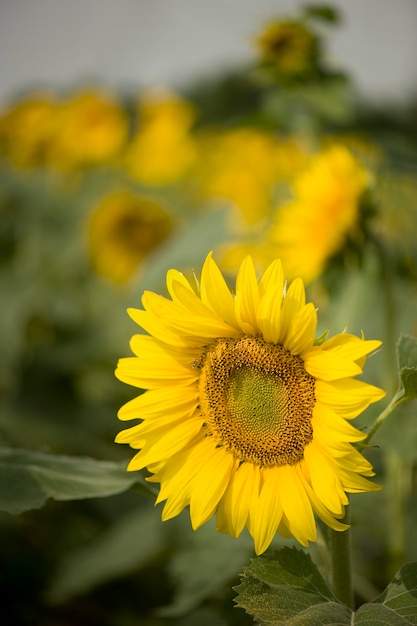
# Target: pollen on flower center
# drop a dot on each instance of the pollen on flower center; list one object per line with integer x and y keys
{"x": 257, "y": 400}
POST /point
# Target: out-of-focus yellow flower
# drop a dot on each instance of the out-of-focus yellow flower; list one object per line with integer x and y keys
{"x": 27, "y": 129}
{"x": 162, "y": 149}
{"x": 310, "y": 229}
{"x": 242, "y": 166}
{"x": 123, "y": 230}
{"x": 92, "y": 130}
{"x": 289, "y": 47}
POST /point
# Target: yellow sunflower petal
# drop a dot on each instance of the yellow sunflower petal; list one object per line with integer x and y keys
{"x": 177, "y": 503}
{"x": 272, "y": 279}
{"x": 128, "y": 372}
{"x": 266, "y": 510}
{"x": 155, "y": 327}
{"x": 153, "y": 351}
{"x": 347, "y": 396}
{"x": 174, "y": 276}
{"x": 354, "y": 483}
{"x": 235, "y": 505}
{"x": 269, "y": 315}
{"x": 331, "y": 362}
{"x": 164, "y": 443}
{"x": 294, "y": 301}
{"x": 139, "y": 373}
{"x": 297, "y": 506}
{"x": 351, "y": 346}
{"x": 176, "y": 477}
{"x": 329, "y": 366}
{"x": 283, "y": 529}
{"x": 335, "y": 430}
{"x": 150, "y": 427}
{"x": 157, "y": 402}
{"x": 320, "y": 509}
{"x": 355, "y": 461}
{"x": 271, "y": 289}
{"x": 195, "y": 327}
{"x": 217, "y": 467}
{"x": 177, "y": 495}
{"x": 215, "y": 293}
{"x": 302, "y": 330}
{"x": 325, "y": 480}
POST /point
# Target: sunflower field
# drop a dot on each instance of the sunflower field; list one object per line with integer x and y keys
{"x": 224, "y": 280}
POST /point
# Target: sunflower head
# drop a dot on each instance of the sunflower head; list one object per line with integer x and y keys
{"x": 243, "y": 166}
{"x": 162, "y": 149}
{"x": 123, "y": 230}
{"x": 92, "y": 130}
{"x": 324, "y": 212}
{"x": 288, "y": 47}
{"x": 246, "y": 416}
{"x": 27, "y": 130}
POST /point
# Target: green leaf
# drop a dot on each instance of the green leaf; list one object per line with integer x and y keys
{"x": 28, "y": 479}
{"x": 397, "y": 605}
{"x": 285, "y": 587}
{"x": 323, "y": 12}
{"x": 407, "y": 366}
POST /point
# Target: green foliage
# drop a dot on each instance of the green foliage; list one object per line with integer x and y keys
{"x": 322, "y": 12}
{"x": 397, "y": 605}
{"x": 286, "y": 588}
{"x": 28, "y": 479}
{"x": 87, "y": 558}
{"x": 203, "y": 566}
{"x": 407, "y": 367}
{"x": 128, "y": 545}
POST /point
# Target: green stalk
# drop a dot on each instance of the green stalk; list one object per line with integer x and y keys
{"x": 341, "y": 559}
{"x": 396, "y": 401}
{"x": 399, "y": 488}
{"x": 398, "y": 471}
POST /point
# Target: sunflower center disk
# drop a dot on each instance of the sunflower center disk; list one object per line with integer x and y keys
{"x": 257, "y": 400}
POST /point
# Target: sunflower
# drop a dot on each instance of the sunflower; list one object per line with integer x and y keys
{"x": 27, "y": 130}
{"x": 92, "y": 130}
{"x": 123, "y": 230}
{"x": 162, "y": 149}
{"x": 246, "y": 416}
{"x": 289, "y": 47}
{"x": 326, "y": 209}
{"x": 243, "y": 166}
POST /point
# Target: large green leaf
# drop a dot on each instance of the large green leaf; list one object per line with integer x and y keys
{"x": 286, "y": 588}
{"x": 397, "y": 605}
{"x": 28, "y": 479}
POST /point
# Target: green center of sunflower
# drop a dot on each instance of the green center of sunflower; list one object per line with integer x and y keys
{"x": 257, "y": 400}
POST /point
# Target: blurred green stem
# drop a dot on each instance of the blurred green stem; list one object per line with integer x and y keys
{"x": 398, "y": 471}
{"x": 340, "y": 549}
{"x": 398, "y": 487}
{"x": 395, "y": 402}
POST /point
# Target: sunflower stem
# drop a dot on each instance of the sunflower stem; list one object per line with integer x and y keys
{"x": 340, "y": 548}
{"x": 396, "y": 400}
